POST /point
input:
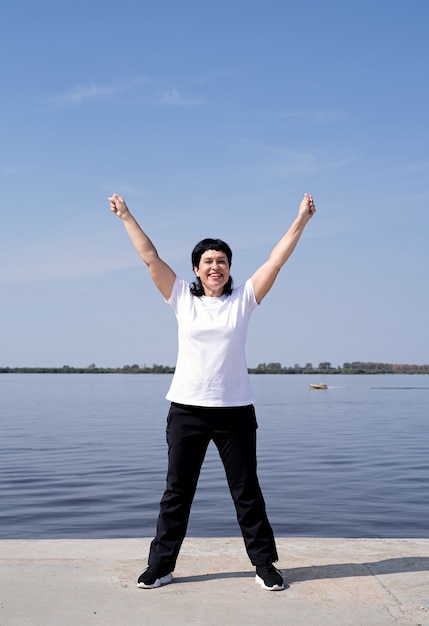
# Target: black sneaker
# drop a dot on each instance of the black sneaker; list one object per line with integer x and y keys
{"x": 153, "y": 577}
{"x": 269, "y": 578}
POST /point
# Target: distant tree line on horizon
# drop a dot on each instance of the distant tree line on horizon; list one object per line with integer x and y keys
{"x": 355, "y": 367}
{"x": 324, "y": 368}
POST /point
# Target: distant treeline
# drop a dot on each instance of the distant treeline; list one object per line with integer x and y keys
{"x": 355, "y": 367}
{"x": 325, "y": 367}
{"x": 91, "y": 369}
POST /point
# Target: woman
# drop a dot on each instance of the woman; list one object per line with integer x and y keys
{"x": 210, "y": 394}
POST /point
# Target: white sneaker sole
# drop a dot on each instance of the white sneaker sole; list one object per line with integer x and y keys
{"x": 259, "y": 580}
{"x": 164, "y": 580}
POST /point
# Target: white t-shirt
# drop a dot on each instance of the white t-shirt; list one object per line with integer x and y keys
{"x": 211, "y": 368}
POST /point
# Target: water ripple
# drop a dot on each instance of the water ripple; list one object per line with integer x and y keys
{"x": 85, "y": 456}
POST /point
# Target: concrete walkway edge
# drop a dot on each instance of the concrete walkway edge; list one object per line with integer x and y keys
{"x": 349, "y": 582}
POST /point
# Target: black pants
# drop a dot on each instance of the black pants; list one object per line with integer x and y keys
{"x": 189, "y": 431}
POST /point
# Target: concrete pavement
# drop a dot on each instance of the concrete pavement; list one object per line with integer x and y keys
{"x": 347, "y": 582}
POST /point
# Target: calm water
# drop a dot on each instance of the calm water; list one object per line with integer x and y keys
{"x": 85, "y": 456}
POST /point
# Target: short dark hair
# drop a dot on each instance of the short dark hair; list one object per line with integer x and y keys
{"x": 202, "y": 246}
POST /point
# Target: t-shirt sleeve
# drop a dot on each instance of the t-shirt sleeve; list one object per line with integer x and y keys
{"x": 249, "y": 294}
{"x": 179, "y": 288}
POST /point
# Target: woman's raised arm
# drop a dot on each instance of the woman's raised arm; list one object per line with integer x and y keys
{"x": 263, "y": 279}
{"x": 162, "y": 275}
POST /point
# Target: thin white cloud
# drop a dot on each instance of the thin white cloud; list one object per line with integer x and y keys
{"x": 418, "y": 166}
{"x": 213, "y": 77}
{"x": 174, "y": 98}
{"x": 9, "y": 171}
{"x": 66, "y": 258}
{"x": 283, "y": 162}
{"x": 81, "y": 94}
{"x": 321, "y": 116}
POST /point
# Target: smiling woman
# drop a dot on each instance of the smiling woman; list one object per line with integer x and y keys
{"x": 211, "y": 261}
{"x": 211, "y": 396}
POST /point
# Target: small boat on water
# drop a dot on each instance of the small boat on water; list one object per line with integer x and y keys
{"x": 318, "y": 386}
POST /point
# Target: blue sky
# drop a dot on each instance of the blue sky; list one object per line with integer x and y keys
{"x": 212, "y": 119}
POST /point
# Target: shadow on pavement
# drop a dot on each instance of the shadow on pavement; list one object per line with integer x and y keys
{"x": 350, "y": 570}
{"x": 333, "y": 570}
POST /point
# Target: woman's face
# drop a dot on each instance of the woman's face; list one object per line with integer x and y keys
{"x": 213, "y": 271}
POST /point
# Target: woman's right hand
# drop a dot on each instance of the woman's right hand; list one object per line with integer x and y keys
{"x": 117, "y": 205}
{"x": 307, "y": 208}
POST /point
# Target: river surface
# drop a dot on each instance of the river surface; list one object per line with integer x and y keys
{"x": 84, "y": 456}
